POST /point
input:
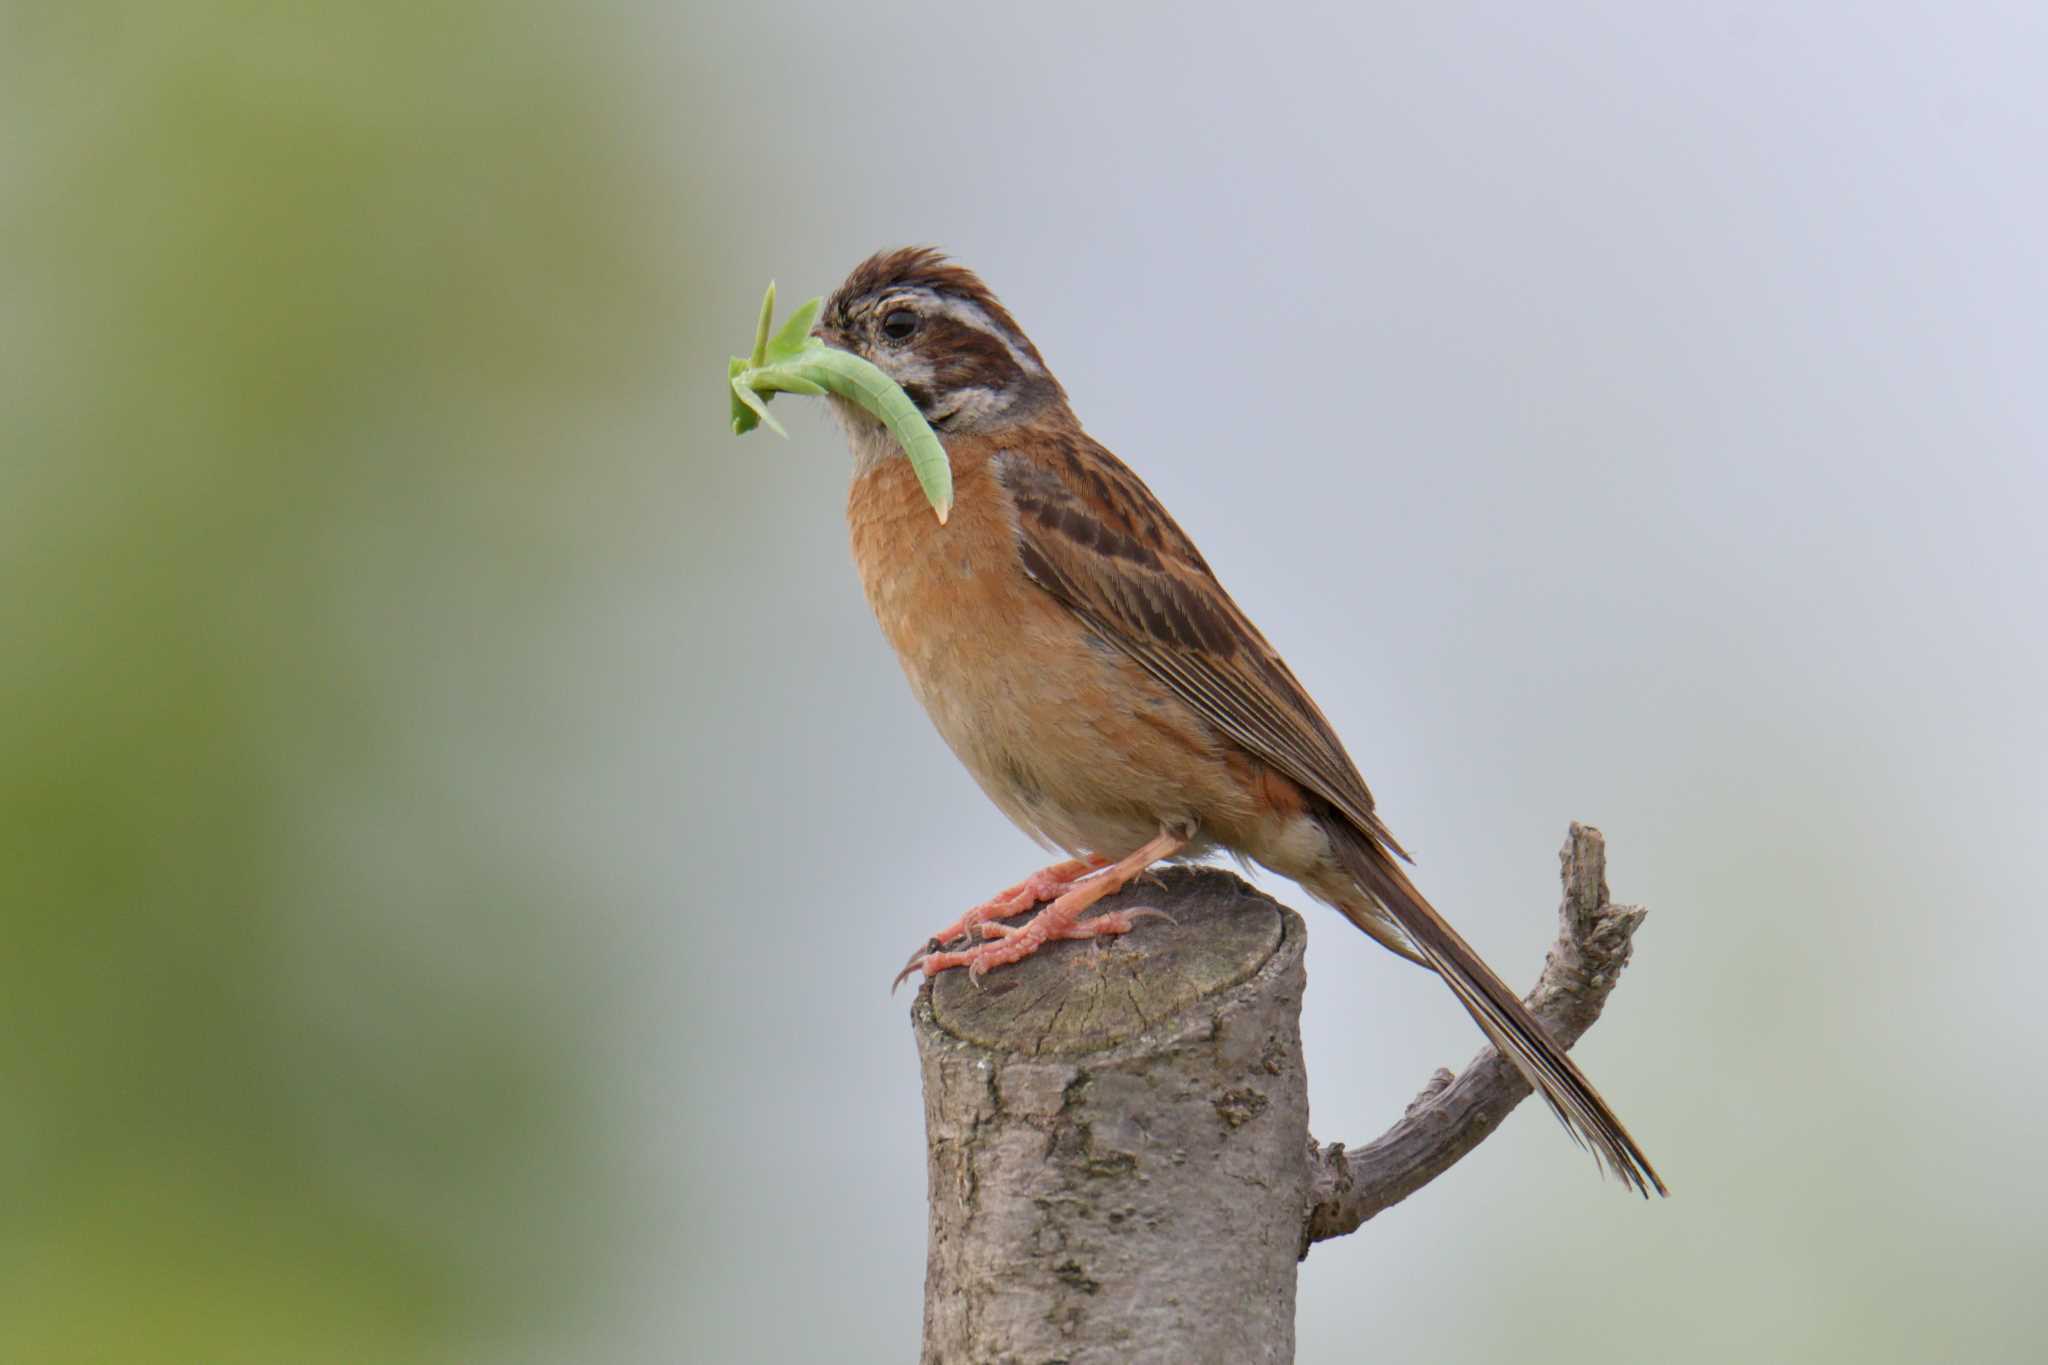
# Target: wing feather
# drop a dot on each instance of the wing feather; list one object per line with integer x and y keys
{"x": 1101, "y": 543}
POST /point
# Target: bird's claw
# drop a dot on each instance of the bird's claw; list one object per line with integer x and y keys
{"x": 1044, "y": 885}
{"x": 1005, "y": 943}
{"x": 931, "y": 945}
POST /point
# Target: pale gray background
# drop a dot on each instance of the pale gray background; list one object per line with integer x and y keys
{"x": 1613, "y": 414}
{"x": 1623, "y": 413}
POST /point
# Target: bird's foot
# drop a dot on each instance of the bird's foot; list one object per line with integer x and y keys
{"x": 1008, "y": 944}
{"x": 1014, "y": 943}
{"x": 1059, "y": 920}
{"x": 1048, "y": 883}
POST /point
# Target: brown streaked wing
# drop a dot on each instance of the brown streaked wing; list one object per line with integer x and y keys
{"x": 1093, "y": 535}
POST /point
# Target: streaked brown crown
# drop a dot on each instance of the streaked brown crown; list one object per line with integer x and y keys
{"x": 937, "y": 330}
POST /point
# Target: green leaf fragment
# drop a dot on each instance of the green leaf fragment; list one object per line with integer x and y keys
{"x": 787, "y": 378}
{"x": 795, "y": 337}
{"x": 761, "y": 327}
{"x": 745, "y": 405}
{"x": 794, "y": 361}
{"x": 745, "y": 390}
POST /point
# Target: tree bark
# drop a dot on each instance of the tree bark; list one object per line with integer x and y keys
{"x": 1118, "y": 1150}
{"x": 1116, "y": 1138}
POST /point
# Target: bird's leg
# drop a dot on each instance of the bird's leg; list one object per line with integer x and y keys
{"x": 1061, "y": 919}
{"x": 1048, "y": 883}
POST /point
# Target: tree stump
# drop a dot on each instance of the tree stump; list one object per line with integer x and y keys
{"x": 1117, "y": 1151}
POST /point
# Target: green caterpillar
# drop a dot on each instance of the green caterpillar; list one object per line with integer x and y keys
{"x": 794, "y": 361}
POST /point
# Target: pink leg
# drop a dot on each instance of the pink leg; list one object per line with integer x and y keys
{"x": 1046, "y": 884}
{"x": 1060, "y": 920}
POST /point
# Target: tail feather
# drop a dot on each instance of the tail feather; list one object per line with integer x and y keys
{"x": 1500, "y": 1014}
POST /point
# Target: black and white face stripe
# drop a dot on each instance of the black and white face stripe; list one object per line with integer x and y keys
{"x": 935, "y": 329}
{"x": 960, "y": 364}
{"x": 931, "y": 303}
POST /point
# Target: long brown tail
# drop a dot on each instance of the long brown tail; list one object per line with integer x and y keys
{"x": 1497, "y": 1010}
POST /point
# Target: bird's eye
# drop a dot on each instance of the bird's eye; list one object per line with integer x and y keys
{"x": 899, "y": 324}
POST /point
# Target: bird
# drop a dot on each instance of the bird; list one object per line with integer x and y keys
{"x": 1081, "y": 658}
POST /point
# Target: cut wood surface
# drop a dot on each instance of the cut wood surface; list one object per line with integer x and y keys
{"x": 1119, "y": 1162}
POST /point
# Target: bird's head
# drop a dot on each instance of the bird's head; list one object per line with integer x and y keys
{"x": 935, "y": 328}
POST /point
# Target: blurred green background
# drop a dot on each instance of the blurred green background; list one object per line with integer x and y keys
{"x": 457, "y": 821}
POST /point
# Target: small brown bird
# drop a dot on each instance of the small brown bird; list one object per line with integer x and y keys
{"x": 1077, "y": 653}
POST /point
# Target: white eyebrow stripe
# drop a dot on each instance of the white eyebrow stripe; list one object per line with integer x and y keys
{"x": 972, "y": 315}
{"x": 960, "y": 310}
